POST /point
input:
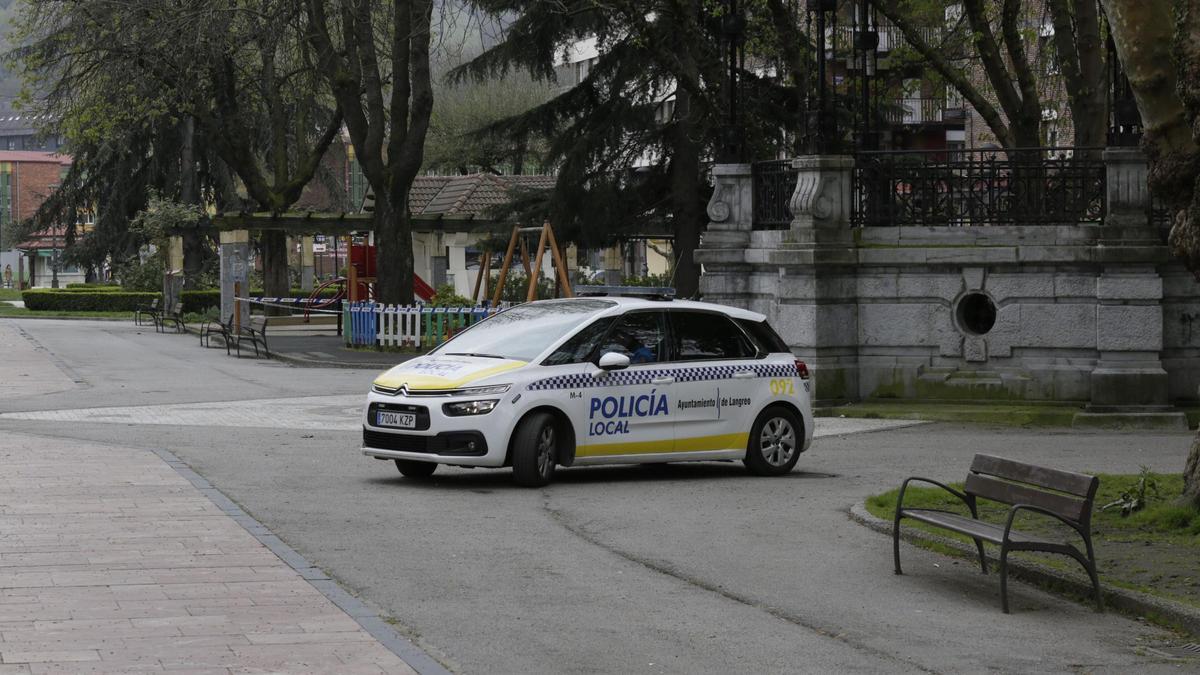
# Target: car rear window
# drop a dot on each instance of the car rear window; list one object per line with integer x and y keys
{"x": 764, "y": 336}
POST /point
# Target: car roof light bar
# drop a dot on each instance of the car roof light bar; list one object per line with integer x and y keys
{"x": 655, "y": 292}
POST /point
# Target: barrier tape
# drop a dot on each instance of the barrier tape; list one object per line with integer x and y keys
{"x": 264, "y": 303}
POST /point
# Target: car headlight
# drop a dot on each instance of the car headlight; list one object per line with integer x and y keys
{"x": 463, "y": 408}
{"x": 484, "y": 391}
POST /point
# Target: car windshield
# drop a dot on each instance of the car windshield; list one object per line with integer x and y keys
{"x": 523, "y": 332}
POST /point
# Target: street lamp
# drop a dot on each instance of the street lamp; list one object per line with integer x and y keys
{"x": 54, "y": 253}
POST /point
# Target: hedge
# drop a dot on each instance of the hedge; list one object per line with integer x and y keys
{"x": 48, "y": 300}
{"x": 93, "y": 287}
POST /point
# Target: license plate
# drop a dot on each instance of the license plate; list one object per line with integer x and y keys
{"x": 395, "y": 419}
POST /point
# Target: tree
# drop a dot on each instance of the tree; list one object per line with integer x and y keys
{"x": 460, "y": 110}
{"x": 374, "y": 57}
{"x": 1158, "y": 42}
{"x": 982, "y": 53}
{"x": 185, "y": 87}
{"x": 631, "y": 139}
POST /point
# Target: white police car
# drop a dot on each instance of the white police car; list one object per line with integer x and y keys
{"x": 596, "y": 380}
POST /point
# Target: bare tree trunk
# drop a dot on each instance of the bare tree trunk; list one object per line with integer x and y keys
{"x": 687, "y": 210}
{"x": 393, "y": 252}
{"x": 275, "y": 267}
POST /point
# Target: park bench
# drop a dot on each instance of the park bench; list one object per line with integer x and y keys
{"x": 255, "y": 331}
{"x": 175, "y": 319}
{"x": 214, "y": 327}
{"x": 151, "y": 310}
{"x": 1063, "y": 495}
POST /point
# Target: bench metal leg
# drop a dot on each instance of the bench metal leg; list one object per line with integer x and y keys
{"x": 1004, "y": 578}
{"x": 896, "y": 542}
{"x": 982, "y": 558}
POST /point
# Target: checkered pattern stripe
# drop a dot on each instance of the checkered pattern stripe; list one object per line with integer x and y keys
{"x": 627, "y": 378}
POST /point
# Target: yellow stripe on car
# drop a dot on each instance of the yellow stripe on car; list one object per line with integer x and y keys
{"x": 418, "y": 382}
{"x": 697, "y": 444}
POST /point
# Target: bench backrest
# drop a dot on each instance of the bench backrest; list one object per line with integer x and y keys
{"x": 258, "y": 322}
{"x": 1065, "y": 493}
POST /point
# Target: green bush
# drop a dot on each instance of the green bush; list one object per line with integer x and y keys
{"x": 447, "y": 297}
{"x": 93, "y": 287}
{"x": 199, "y": 301}
{"x": 48, "y": 300}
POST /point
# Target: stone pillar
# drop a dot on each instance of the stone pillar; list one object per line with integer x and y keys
{"x": 724, "y": 249}
{"x": 819, "y": 319}
{"x": 235, "y": 269}
{"x": 1127, "y": 190}
{"x": 306, "y": 262}
{"x": 173, "y": 277}
{"x": 1129, "y": 377}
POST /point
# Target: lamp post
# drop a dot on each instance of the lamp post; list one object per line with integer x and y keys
{"x": 54, "y": 253}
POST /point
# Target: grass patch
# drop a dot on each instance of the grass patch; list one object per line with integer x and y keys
{"x": 992, "y": 413}
{"x": 23, "y": 312}
{"x": 10, "y": 294}
{"x": 415, "y": 351}
{"x": 1153, "y": 550}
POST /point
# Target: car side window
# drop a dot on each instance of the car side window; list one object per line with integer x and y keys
{"x": 639, "y": 335}
{"x": 703, "y": 336}
{"x": 579, "y": 348}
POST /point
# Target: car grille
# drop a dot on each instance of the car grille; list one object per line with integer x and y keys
{"x": 454, "y": 443}
{"x": 400, "y": 442}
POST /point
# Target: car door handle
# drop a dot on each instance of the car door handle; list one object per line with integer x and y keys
{"x": 662, "y": 380}
{"x": 744, "y": 374}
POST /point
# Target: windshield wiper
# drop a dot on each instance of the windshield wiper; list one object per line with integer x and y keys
{"x": 482, "y": 356}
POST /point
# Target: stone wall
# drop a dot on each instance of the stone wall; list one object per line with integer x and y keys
{"x": 1096, "y": 314}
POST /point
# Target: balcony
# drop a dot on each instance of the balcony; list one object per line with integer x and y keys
{"x": 917, "y": 111}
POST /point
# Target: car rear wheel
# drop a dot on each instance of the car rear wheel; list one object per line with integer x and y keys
{"x": 775, "y": 442}
{"x": 535, "y": 447}
{"x": 414, "y": 469}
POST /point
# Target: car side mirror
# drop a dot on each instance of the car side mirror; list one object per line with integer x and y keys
{"x": 613, "y": 361}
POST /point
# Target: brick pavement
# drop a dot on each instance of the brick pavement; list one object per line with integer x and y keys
{"x": 111, "y": 561}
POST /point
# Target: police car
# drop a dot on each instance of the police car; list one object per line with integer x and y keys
{"x": 596, "y": 380}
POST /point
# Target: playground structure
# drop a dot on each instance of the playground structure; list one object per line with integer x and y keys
{"x": 518, "y": 239}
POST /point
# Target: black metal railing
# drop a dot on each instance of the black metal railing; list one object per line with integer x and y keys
{"x": 774, "y": 182}
{"x": 919, "y": 110}
{"x": 978, "y": 187}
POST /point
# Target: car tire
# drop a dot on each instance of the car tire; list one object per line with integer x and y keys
{"x": 776, "y": 440}
{"x": 535, "y": 447}
{"x": 410, "y": 468}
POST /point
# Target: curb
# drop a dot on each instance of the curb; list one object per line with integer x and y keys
{"x": 303, "y": 362}
{"x": 1124, "y": 600}
{"x": 68, "y": 318}
{"x": 366, "y": 617}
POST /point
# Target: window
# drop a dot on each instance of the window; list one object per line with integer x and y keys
{"x": 638, "y": 335}
{"x": 579, "y": 348}
{"x": 701, "y": 336}
{"x": 523, "y": 332}
{"x": 764, "y": 336}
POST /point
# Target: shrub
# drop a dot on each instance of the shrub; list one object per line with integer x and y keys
{"x": 94, "y": 287}
{"x": 199, "y": 301}
{"x": 60, "y": 301}
{"x": 447, "y": 297}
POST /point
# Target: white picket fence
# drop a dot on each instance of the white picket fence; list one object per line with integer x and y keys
{"x": 367, "y": 323}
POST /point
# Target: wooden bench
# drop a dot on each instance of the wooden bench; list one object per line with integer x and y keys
{"x": 175, "y": 319}
{"x": 1063, "y": 495}
{"x": 213, "y": 327}
{"x": 255, "y": 331}
{"x": 151, "y": 310}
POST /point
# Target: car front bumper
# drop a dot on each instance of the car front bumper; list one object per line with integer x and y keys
{"x": 469, "y": 440}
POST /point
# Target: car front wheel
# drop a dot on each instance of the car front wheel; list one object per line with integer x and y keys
{"x": 775, "y": 442}
{"x": 413, "y": 469}
{"x": 535, "y": 448}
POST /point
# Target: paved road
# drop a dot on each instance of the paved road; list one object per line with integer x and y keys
{"x": 689, "y": 568}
